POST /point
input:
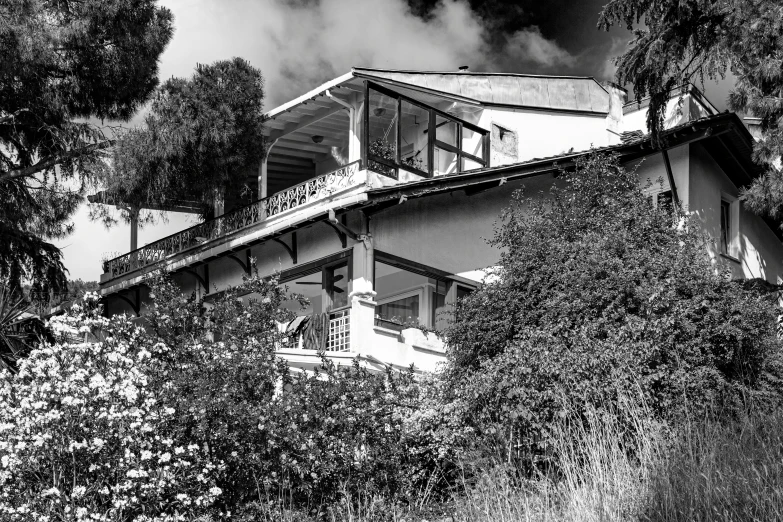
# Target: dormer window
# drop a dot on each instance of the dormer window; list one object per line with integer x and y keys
{"x": 401, "y": 133}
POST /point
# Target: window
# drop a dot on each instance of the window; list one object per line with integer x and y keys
{"x": 725, "y": 227}
{"x": 336, "y": 285}
{"x": 402, "y": 133}
{"x": 400, "y": 311}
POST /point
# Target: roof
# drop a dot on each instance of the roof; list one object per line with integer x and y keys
{"x": 571, "y": 93}
{"x": 723, "y": 135}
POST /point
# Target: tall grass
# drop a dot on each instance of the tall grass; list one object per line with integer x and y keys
{"x": 721, "y": 471}
{"x": 702, "y": 471}
{"x": 597, "y": 479}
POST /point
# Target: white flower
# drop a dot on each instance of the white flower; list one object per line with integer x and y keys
{"x": 78, "y": 491}
{"x": 215, "y": 491}
{"x": 146, "y": 455}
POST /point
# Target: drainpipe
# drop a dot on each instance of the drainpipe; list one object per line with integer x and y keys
{"x": 134, "y": 228}
{"x": 353, "y": 143}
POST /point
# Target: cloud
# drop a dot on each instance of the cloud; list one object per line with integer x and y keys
{"x": 616, "y": 49}
{"x": 529, "y": 46}
{"x": 300, "y": 44}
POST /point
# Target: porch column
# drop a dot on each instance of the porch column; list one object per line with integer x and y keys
{"x": 134, "y": 229}
{"x": 362, "y": 295}
{"x": 263, "y": 172}
{"x": 220, "y": 201}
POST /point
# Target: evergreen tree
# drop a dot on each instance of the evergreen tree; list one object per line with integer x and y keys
{"x": 679, "y": 42}
{"x": 64, "y": 64}
{"x": 199, "y": 134}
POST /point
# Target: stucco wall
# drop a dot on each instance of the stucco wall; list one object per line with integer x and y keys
{"x": 448, "y": 231}
{"x": 542, "y": 134}
{"x": 760, "y": 252}
{"x": 652, "y": 172}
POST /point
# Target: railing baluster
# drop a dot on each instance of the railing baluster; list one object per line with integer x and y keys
{"x": 311, "y": 190}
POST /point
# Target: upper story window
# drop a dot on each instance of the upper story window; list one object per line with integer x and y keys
{"x": 728, "y": 240}
{"x": 402, "y": 133}
{"x": 725, "y": 226}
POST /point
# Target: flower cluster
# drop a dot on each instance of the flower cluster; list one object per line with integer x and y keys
{"x": 83, "y": 435}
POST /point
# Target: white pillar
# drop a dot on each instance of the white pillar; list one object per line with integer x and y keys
{"x": 263, "y": 178}
{"x": 362, "y": 294}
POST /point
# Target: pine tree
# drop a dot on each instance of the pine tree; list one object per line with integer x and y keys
{"x": 681, "y": 42}
{"x": 198, "y": 136}
{"x": 64, "y": 65}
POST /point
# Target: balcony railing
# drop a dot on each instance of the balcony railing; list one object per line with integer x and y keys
{"x": 314, "y": 189}
{"x": 329, "y": 331}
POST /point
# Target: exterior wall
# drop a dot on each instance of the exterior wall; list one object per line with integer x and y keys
{"x": 759, "y": 252}
{"x": 448, "y": 231}
{"x": 652, "y": 172}
{"x": 541, "y": 134}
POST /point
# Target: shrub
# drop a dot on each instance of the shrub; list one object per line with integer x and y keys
{"x": 83, "y": 435}
{"x": 302, "y": 439}
{"x": 596, "y": 290}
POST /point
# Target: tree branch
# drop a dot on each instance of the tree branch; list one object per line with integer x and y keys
{"x": 52, "y": 161}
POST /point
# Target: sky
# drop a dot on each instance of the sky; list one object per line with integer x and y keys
{"x": 299, "y": 44}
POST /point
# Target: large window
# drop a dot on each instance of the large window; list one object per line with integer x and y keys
{"x": 403, "y": 134}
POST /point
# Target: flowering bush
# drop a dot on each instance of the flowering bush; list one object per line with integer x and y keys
{"x": 308, "y": 436}
{"x": 84, "y": 437}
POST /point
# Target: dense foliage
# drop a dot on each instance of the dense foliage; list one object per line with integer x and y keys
{"x": 597, "y": 291}
{"x": 677, "y": 42}
{"x": 64, "y": 62}
{"x": 110, "y": 403}
{"x": 83, "y": 435}
{"x": 200, "y": 135}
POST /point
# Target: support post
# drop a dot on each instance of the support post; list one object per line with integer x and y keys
{"x": 362, "y": 294}
{"x": 134, "y": 229}
{"x": 263, "y": 172}
{"x": 220, "y": 201}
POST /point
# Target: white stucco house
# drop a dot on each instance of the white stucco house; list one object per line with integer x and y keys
{"x": 380, "y": 187}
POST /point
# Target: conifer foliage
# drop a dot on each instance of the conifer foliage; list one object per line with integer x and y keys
{"x": 63, "y": 63}
{"x": 200, "y": 134}
{"x": 681, "y": 42}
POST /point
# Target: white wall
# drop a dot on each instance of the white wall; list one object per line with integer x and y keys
{"x": 760, "y": 252}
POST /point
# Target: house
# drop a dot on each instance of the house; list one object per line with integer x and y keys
{"x": 380, "y": 186}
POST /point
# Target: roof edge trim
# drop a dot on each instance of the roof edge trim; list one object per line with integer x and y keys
{"x": 308, "y": 95}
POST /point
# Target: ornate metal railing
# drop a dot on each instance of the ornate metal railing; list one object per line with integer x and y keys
{"x": 311, "y": 190}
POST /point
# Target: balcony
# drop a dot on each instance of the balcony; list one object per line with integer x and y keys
{"x": 241, "y": 219}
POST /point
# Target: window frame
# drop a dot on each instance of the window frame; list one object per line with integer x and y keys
{"x": 432, "y": 140}
{"x": 732, "y": 234}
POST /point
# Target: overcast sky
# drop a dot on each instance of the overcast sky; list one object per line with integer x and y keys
{"x": 299, "y": 44}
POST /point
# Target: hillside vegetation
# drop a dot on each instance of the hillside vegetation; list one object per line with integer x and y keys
{"x": 607, "y": 371}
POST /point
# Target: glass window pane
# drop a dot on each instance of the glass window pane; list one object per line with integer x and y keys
{"x": 469, "y": 164}
{"x": 413, "y": 145}
{"x": 445, "y": 162}
{"x": 446, "y": 130}
{"x": 337, "y": 285}
{"x": 401, "y": 311}
{"x": 472, "y": 143}
{"x": 725, "y": 213}
{"x": 383, "y": 132}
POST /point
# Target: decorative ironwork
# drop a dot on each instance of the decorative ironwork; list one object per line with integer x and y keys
{"x": 315, "y": 189}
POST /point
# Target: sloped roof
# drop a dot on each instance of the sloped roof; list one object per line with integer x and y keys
{"x": 721, "y": 132}
{"x": 572, "y": 93}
